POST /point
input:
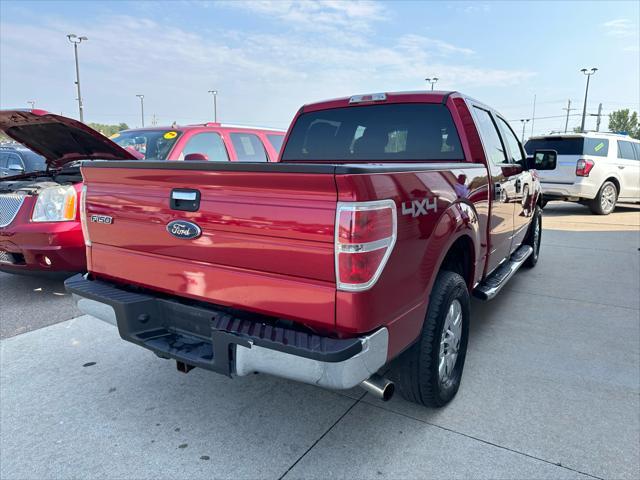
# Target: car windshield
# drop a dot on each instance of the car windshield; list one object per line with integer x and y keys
{"x": 598, "y": 147}
{"x": 389, "y": 132}
{"x": 147, "y": 144}
{"x": 33, "y": 162}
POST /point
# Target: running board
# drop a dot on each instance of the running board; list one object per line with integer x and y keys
{"x": 491, "y": 285}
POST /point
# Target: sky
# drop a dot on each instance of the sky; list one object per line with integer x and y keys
{"x": 267, "y": 58}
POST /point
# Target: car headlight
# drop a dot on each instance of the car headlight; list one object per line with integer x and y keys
{"x": 55, "y": 204}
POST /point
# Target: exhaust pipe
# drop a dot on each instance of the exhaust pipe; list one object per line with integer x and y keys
{"x": 379, "y": 387}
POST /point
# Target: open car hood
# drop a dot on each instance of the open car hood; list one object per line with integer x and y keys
{"x": 60, "y": 140}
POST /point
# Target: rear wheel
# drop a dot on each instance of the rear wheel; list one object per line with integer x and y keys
{"x": 534, "y": 238}
{"x": 605, "y": 201}
{"x": 429, "y": 372}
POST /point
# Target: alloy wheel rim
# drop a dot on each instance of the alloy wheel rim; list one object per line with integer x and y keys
{"x": 450, "y": 342}
{"x": 608, "y": 198}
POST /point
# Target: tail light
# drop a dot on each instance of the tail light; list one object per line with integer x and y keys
{"x": 83, "y": 216}
{"x": 364, "y": 238}
{"x": 583, "y": 167}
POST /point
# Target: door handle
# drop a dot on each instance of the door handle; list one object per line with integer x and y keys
{"x": 621, "y": 167}
{"x": 518, "y": 185}
{"x": 500, "y": 193}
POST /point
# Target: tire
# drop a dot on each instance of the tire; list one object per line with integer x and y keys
{"x": 544, "y": 203}
{"x": 416, "y": 371}
{"x": 534, "y": 238}
{"x": 605, "y": 201}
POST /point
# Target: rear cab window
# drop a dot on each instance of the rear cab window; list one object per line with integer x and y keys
{"x": 389, "y": 132}
{"x": 153, "y": 144}
{"x": 248, "y": 147}
{"x": 596, "y": 147}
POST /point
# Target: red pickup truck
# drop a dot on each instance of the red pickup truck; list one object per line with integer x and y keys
{"x": 39, "y": 215}
{"x": 358, "y": 250}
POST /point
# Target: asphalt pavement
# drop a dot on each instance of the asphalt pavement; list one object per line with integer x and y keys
{"x": 551, "y": 388}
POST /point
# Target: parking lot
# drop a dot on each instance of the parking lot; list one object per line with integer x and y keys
{"x": 551, "y": 388}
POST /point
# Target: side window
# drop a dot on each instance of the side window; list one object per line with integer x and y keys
{"x": 636, "y": 147}
{"x": 4, "y": 157}
{"x": 513, "y": 145}
{"x": 248, "y": 147}
{"x": 625, "y": 150}
{"x": 208, "y": 143}
{"x": 598, "y": 147}
{"x": 14, "y": 159}
{"x": 276, "y": 141}
{"x": 490, "y": 137}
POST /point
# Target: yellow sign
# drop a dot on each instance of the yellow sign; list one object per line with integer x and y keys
{"x": 170, "y": 135}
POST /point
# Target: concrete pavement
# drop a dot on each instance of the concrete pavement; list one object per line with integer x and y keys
{"x": 551, "y": 389}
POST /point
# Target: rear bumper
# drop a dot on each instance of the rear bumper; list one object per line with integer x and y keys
{"x": 230, "y": 343}
{"x": 582, "y": 188}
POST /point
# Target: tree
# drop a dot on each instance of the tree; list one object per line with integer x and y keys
{"x": 620, "y": 121}
{"x": 108, "y": 130}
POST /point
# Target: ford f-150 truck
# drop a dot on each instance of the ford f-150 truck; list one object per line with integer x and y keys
{"x": 349, "y": 262}
{"x": 39, "y": 217}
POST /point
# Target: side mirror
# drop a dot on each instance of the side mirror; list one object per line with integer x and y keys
{"x": 16, "y": 168}
{"x": 199, "y": 157}
{"x": 543, "y": 160}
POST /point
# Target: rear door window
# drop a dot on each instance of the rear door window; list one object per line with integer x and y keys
{"x": 207, "y": 143}
{"x": 248, "y": 147}
{"x": 389, "y": 132}
{"x": 490, "y": 138}
{"x": 625, "y": 150}
{"x": 636, "y": 147}
{"x": 513, "y": 145}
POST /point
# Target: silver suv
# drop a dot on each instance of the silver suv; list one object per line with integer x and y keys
{"x": 597, "y": 169}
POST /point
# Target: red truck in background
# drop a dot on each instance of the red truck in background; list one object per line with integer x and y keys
{"x": 39, "y": 216}
{"x": 358, "y": 250}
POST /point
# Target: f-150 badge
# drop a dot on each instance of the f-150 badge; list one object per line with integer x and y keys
{"x": 102, "y": 219}
{"x": 416, "y": 208}
{"x": 184, "y": 229}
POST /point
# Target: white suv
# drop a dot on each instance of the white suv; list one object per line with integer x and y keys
{"x": 597, "y": 169}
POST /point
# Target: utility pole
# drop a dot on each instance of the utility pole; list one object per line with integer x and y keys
{"x": 141, "y": 97}
{"x": 154, "y": 120}
{"x": 215, "y": 105}
{"x": 76, "y": 40}
{"x": 599, "y": 116}
{"x": 568, "y": 109}
{"x": 524, "y": 123}
{"x": 32, "y": 103}
{"x": 586, "y": 93}
{"x": 533, "y": 116}
{"x": 432, "y": 81}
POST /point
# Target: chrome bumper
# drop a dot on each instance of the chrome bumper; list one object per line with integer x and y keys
{"x": 252, "y": 358}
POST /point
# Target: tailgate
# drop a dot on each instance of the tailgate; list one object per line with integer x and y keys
{"x": 265, "y": 241}
{"x": 565, "y": 171}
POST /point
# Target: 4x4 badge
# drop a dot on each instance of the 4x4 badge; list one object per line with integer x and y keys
{"x": 416, "y": 208}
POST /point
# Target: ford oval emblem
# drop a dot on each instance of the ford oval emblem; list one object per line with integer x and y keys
{"x": 184, "y": 229}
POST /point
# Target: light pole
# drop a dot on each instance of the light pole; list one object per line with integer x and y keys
{"x": 214, "y": 93}
{"x": 524, "y": 123}
{"x": 586, "y": 93}
{"x": 76, "y": 40}
{"x": 32, "y": 103}
{"x": 432, "y": 81}
{"x": 141, "y": 97}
